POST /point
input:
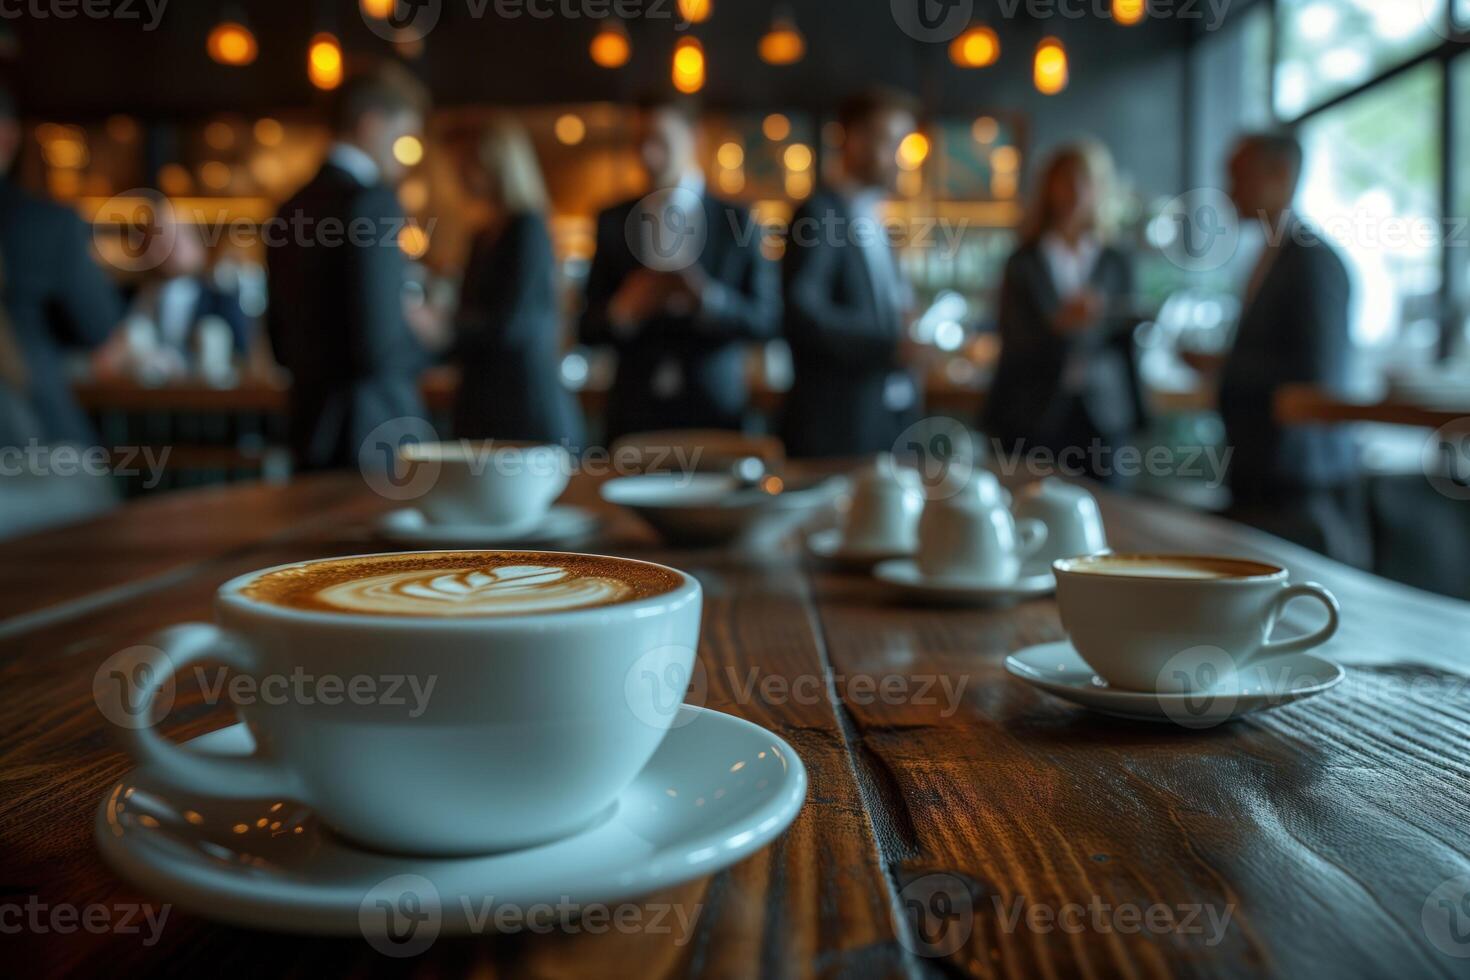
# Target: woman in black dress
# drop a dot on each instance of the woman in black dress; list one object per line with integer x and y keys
{"x": 508, "y": 336}
{"x": 1064, "y": 383}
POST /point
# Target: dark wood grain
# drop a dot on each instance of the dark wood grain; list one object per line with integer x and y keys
{"x": 1320, "y": 827}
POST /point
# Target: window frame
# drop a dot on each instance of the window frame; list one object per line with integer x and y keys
{"x": 1453, "y": 49}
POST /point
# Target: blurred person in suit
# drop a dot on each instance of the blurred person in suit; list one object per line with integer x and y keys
{"x": 679, "y": 288}
{"x": 339, "y": 318}
{"x": 1063, "y": 382}
{"x": 172, "y": 318}
{"x": 55, "y": 294}
{"x": 1301, "y": 483}
{"x": 507, "y": 334}
{"x": 846, "y": 306}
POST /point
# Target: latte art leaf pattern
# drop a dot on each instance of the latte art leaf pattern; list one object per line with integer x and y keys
{"x": 506, "y": 590}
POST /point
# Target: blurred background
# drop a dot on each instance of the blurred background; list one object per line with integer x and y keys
{"x": 217, "y": 107}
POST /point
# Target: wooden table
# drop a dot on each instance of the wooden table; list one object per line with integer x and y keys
{"x": 1320, "y": 829}
{"x": 1306, "y": 404}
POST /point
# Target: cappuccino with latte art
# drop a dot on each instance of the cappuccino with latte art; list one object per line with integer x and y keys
{"x": 461, "y": 583}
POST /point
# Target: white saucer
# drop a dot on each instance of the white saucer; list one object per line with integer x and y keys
{"x": 1058, "y": 669}
{"x": 560, "y": 526}
{"x": 827, "y": 545}
{"x": 903, "y": 575}
{"x": 706, "y": 509}
{"x": 717, "y": 790}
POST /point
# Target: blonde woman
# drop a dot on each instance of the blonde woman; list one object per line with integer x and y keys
{"x": 1063, "y": 383}
{"x": 508, "y": 336}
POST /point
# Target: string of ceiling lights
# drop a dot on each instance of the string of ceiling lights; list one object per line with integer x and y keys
{"x": 231, "y": 42}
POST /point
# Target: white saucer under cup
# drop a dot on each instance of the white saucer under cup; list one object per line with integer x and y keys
{"x": 717, "y": 790}
{"x": 561, "y": 526}
{"x": 1059, "y": 670}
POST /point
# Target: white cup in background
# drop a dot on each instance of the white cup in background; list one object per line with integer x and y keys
{"x": 972, "y": 536}
{"x": 506, "y": 485}
{"x": 883, "y": 516}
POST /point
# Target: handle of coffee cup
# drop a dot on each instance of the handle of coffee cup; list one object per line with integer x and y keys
{"x": 1296, "y": 644}
{"x": 1032, "y": 534}
{"x": 161, "y": 657}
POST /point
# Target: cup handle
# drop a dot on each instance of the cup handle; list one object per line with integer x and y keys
{"x": 1308, "y": 590}
{"x": 161, "y": 657}
{"x": 1033, "y": 535}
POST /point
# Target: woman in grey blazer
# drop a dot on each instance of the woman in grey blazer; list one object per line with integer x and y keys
{"x": 508, "y": 331}
{"x": 1064, "y": 383}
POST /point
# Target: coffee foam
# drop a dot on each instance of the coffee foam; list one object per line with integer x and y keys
{"x": 461, "y": 584}
{"x": 1185, "y": 567}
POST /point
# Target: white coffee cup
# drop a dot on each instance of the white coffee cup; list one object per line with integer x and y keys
{"x": 883, "y": 516}
{"x": 533, "y": 725}
{"x": 506, "y": 485}
{"x": 970, "y": 535}
{"x": 1178, "y": 623}
{"x": 1074, "y": 522}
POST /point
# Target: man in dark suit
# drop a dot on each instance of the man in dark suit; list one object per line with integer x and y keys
{"x": 54, "y": 293}
{"x": 679, "y": 289}
{"x": 339, "y": 319}
{"x": 846, "y": 306}
{"x": 1300, "y": 482}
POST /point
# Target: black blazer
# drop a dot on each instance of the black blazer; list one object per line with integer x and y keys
{"x": 507, "y": 341}
{"x": 844, "y": 349}
{"x": 336, "y": 317}
{"x": 57, "y": 297}
{"x": 1027, "y": 399}
{"x": 708, "y": 349}
{"x": 1295, "y": 329}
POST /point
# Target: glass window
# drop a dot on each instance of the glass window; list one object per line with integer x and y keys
{"x": 1372, "y": 184}
{"x": 1327, "y": 47}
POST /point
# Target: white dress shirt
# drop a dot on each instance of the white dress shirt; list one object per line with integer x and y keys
{"x": 356, "y": 162}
